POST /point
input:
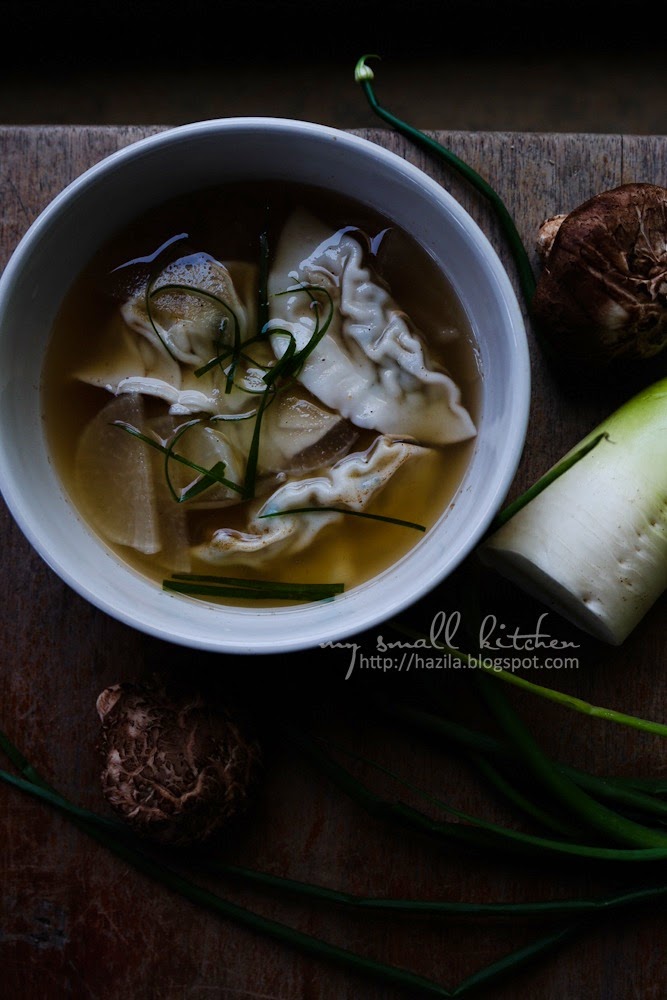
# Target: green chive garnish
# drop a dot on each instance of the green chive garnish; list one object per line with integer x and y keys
{"x": 210, "y": 476}
{"x": 345, "y": 510}
{"x": 210, "y": 585}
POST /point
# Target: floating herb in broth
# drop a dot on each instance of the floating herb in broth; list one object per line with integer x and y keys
{"x": 219, "y": 397}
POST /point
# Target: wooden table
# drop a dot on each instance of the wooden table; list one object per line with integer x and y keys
{"x": 77, "y": 922}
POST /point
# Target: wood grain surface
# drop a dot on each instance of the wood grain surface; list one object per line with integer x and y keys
{"x": 77, "y": 922}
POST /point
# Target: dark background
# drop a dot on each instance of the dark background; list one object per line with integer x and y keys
{"x": 566, "y": 66}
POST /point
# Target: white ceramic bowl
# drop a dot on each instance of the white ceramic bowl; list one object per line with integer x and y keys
{"x": 115, "y": 191}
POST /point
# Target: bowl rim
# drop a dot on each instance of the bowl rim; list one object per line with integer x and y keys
{"x": 337, "y": 628}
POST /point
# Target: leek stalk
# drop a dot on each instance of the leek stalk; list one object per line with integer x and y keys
{"x": 592, "y": 545}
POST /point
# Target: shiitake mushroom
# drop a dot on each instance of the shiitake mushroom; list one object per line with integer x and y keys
{"x": 177, "y": 768}
{"x": 601, "y": 296}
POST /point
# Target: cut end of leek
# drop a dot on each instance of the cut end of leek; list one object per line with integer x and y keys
{"x": 581, "y": 610}
{"x": 592, "y": 545}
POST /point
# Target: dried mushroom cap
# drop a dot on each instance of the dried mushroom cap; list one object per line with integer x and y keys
{"x": 602, "y": 293}
{"x": 177, "y": 769}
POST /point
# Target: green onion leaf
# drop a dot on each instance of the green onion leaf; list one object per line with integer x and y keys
{"x": 253, "y": 452}
{"x": 364, "y": 76}
{"x": 467, "y": 829}
{"x": 549, "y": 477}
{"x": 213, "y": 475}
{"x": 319, "y": 331}
{"x": 345, "y": 510}
{"x": 210, "y": 585}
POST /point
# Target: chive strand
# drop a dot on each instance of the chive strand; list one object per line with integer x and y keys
{"x": 169, "y": 453}
{"x": 21, "y": 763}
{"x": 440, "y": 907}
{"x": 43, "y": 791}
{"x": 433, "y": 800}
{"x": 252, "y": 461}
{"x": 584, "y": 707}
{"x": 211, "y": 590}
{"x": 635, "y": 793}
{"x": 517, "y": 959}
{"x": 566, "y": 700}
{"x": 595, "y": 815}
{"x": 508, "y": 791}
{"x": 470, "y": 831}
{"x": 652, "y": 786}
{"x": 259, "y": 585}
{"x": 345, "y": 510}
{"x": 195, "y": 893}
{"x": 364, "y": 75}
{"x": 546, "y": 480}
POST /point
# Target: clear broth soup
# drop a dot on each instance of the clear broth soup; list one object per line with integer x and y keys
{"x": 120, "y": 483}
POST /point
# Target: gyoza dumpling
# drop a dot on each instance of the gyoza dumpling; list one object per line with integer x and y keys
{"x": 297, "y": 435}
{"x": 371, "y": 365}
{"x": 352, "y": 482}
{"x": 188, "y": 324}
{"x": 155, "y": 351}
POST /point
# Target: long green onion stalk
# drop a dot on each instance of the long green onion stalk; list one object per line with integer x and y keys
{"x": 549, "y": 694}
{"x": 364, "y": 75}
{"x": 137, "y": 856}
{"x": 467, "y": 830}
{"x": 637, "y": 796}
{"x": 441, "y": 907}
{"x": 126, "y": 846}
